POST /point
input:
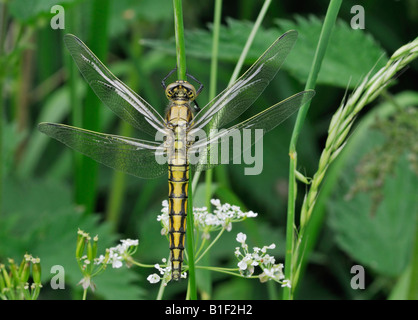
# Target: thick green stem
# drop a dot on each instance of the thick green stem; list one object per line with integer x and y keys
{"x": 179, "y": 34}
{"x": 329, "y": 22}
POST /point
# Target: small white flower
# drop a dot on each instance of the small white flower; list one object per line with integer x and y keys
{"x": 251, "y": 214}
{"x": 99, "y": 260}
{"x": 129, "y": 242}
{"x": 268, "y": 259}
{"x": 117, "y": 263}
{"x": 286, "y": 283}
{"x": 86, "y": 283}
{"x": 241, "y": 237}
{"x": 242, "y": 265}
{"x": 237, "y": 251}
{"x": 153, "y": 278}
{"x": 228, "y": 226}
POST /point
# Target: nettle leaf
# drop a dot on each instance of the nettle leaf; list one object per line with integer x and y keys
{"x": 350, "y": 55}
{"x": 231, "y": 42}
{"x": 39, "y": 217}
{"x": 380, "y": 235}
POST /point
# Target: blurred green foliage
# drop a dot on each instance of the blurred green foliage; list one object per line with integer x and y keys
{"x": 38, "y": 211}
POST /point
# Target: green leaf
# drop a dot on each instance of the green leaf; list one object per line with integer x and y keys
{"x": 350, "y": 54}
{"x": 231, "y": 42}
{"x": 379, "y": 238}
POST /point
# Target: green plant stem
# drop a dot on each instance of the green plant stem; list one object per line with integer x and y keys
{"x": 86, "y": 188}
{"x": 211, "y": 244}
{"x": 223, "y": 270}
{"x": 179, "y": 34}
{"x": 142, "y": 265}
{"x": 330, "y": 18}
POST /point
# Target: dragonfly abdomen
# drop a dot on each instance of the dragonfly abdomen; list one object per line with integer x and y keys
{"x": 178, "y": 183}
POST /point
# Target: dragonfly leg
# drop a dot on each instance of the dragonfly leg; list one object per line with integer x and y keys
{"x": 200, "y": 84}
{"x": 166, "y": 77}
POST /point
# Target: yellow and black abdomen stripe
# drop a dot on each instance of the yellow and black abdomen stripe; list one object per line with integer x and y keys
{"x": 178, "y": 183}
{"x": 179, "y": 116}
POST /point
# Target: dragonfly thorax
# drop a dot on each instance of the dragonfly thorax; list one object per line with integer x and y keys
{"x": 180, "y": 90}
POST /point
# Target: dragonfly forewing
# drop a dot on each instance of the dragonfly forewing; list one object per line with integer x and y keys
{"x": 238, "y": 97}
{"x": 116, "y": 95}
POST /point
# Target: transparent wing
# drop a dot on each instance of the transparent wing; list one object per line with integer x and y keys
{"x": 216, "y": 148}
{"x": 133, "y": 156}
{"x": 237, "y": 98}
{"x": 112, "y": 92}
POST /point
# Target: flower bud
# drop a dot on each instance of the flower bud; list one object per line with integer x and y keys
{"x": 81, "y": 241}
{"x": 36, "y": 270}
{"x": 25, "y": 272}
{"x": 2, "y": 283}
{"x": 6, "y": 277}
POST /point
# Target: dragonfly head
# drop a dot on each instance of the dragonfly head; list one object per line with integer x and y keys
{"x": 180, "y": 90}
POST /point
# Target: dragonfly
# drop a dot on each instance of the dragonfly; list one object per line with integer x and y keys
{"x": 184, "y": 121}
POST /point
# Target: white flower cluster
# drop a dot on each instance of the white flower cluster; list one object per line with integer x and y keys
{"x": 116, "y": 255}
{"x": 222, "y": 217}
{"x": 259, "y": 257}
